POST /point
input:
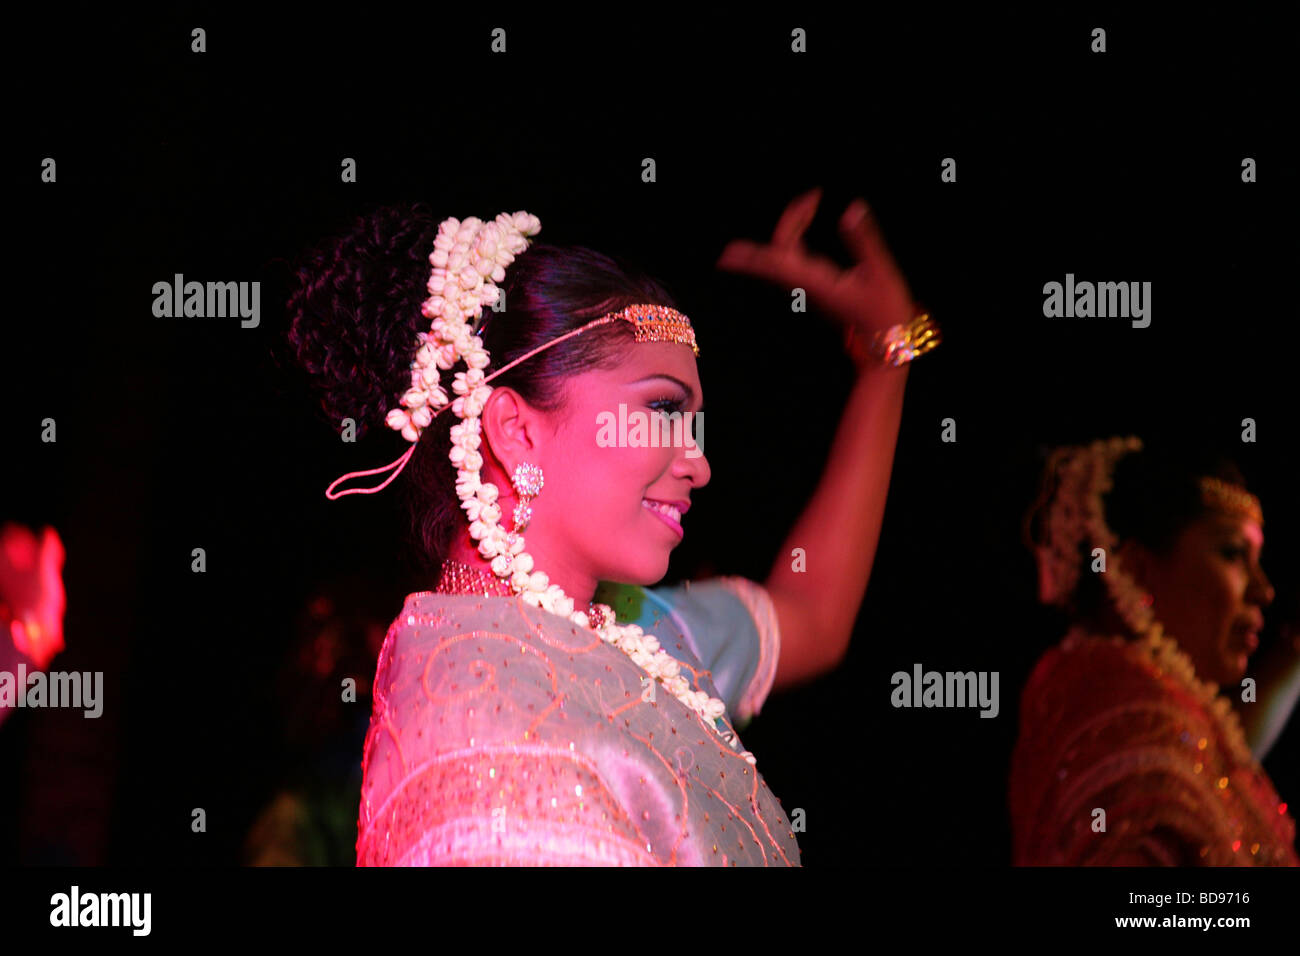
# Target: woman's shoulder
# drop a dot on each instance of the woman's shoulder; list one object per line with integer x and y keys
{"x": 1085, "y": 657}
{"x": 1090, "y": 677}
{"x": 429, "y": 618}
{"x": 430, "y": 609}
{"x": 453, "y": 642}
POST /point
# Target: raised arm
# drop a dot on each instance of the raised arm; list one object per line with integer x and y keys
{"x": 1278, "y": 674}
{"x": 817, "y": 607}
{"x": 840, "y": 528}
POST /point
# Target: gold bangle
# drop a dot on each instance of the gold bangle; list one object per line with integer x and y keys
{"x": 898, "y": 344}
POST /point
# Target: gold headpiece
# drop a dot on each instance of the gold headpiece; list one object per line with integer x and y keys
{"x": 655, "y": 323}
{"x": 1232, "y": 499}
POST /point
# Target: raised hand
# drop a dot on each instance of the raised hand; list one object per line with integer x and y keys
{"x": 869, "y": 296}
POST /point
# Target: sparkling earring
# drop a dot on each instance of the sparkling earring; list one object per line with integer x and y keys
{"x": 527, "y": 481}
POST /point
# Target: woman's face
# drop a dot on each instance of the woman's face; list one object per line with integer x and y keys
{"x": 1210, "y": 592}
{"x": 592, "y": 521}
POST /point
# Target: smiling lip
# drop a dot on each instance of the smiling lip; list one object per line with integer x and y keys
{"x": 682, "y": 506}
{"x": 663, "y": 517}
{"x": 1249, "y": 634}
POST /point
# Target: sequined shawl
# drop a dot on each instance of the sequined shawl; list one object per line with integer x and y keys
{"x": 503, "y": 734}
{"x": 1103, "y": 726}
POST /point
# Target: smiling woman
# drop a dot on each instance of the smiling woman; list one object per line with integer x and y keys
{"x": 518, "y": 718}
{"x": 609, "y": 485}
{"x": 480, "y": 690}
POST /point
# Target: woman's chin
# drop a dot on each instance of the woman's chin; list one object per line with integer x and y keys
{"x": 650, "y": 570}
{"x": 1233, "y": 669}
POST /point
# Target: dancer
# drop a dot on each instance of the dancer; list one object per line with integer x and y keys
{"x": 1128, "y": 754}
{"x": 517, "y": 719}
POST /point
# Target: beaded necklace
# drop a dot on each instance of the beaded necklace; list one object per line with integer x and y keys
{"x": 457, "y": 577}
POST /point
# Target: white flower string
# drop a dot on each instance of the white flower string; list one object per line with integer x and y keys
{"x": 1077, "y": 515}
{"x": 469, "y": 258}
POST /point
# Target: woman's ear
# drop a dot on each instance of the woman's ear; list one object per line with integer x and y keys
{"x": 509, "y": 425}
{"x": 1136, "y": 560}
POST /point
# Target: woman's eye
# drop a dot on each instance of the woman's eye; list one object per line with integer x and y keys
{"x": 673, "y": 406}
{"x": 667, "y": 404}
{"x": 1235, "y": 554}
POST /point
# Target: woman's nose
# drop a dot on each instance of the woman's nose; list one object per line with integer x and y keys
{"x": 1261, "y": 589}
{"x": 693, "y": 465}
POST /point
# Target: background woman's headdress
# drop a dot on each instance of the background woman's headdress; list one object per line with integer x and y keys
{"x": 1071, "y": 517}
{"x": 1070, "y": 513}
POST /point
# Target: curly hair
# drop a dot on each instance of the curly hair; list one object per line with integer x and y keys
{"x": 354, "y": 313}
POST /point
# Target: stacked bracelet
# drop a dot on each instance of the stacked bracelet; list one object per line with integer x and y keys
{"x": 896, "y": 345}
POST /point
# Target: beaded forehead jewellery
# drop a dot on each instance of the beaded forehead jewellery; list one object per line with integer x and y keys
{"x": 468, "y": 259}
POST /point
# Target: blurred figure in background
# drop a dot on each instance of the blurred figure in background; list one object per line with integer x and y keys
{"x": 32, "y": 603}
{"x": 1128, "y": 754}
{"x": 312, "y": 818}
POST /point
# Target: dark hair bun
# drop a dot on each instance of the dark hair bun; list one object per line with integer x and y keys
{"x": 354, "y": 312}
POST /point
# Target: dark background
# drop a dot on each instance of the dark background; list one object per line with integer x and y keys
{"x": 183, "y": 433}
